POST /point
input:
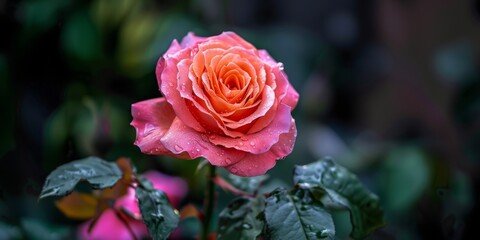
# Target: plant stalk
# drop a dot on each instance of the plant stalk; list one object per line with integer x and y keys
{"x": 209, "y": 201}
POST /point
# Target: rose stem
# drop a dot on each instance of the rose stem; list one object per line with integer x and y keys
{"x": 209, "y": 201}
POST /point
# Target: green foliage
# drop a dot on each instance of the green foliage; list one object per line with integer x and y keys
{"x": 81, "y": 39}
{"x": 337, "y": 188}
{"x": 405, "y": 168}
{"x": 99, "y": 173}
{"x": 305, "y": 211}
{"x": 239, "y": 220}
{"x": 41, "y": 15}
{"x": 297, "y": 215}
{"x": 157, "y": 213}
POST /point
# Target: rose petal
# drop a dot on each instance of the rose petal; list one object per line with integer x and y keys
{"x": 266, "y": 103}
{"x": 264, "y": 121}
{"x": 291, "y": 97}
{"x": 182, "y": 139}
{"x": 265, "y": 56}
{"x": 169, "y": 90}
{"x": 262, "y": 141}
{"x": 198, "y": 107}
{"x": 284, "y": 91}
{"x": 190, "y": 40}
{"x": 233, "y": 39}
{"x": 253, "y": 165}
{"x": 151, "y": 119}
{"x": 258, "y": 164}
{"x": 109, "y": 226}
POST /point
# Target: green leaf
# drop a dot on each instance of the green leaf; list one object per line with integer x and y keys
{"x": 157, "y": 213}
{"x": 405, "y": 168}
{"x": 297, "y": 215}
{"x": 247, "y": 184}
{"x": 41, "y": 15}
{"x": 99, "y": 173}
{"x": 81, "y": 38}
{"x": 337, "y": 188}
{"x": 239, "y": 219}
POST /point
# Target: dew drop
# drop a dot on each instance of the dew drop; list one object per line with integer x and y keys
{"x": 241, "y": 143}
{"x": 178, "y": 148}
{"x": 234, "y": 170}
{"x": 246, "y": 226}
{"x": 252, "y": 143}
{"x": 213, "y": 137}
{"x": 280, "y": 66}
{"x": 198, "y": 149}
{"x": 228, "y": 160}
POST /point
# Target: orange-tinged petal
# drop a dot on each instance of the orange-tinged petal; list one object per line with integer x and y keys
{"x": 80, "y": 206}
{"x": 189, "y": 211}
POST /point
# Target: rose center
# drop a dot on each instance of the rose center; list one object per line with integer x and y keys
{"x": 233, "y": 83}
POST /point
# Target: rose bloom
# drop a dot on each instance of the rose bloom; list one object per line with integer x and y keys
{"x": 223, "y": 100}
{"x": 110, "y": 226}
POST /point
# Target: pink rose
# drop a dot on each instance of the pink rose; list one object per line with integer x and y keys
{"x": 223, "y": 100}
{"x": 110, "y": 226}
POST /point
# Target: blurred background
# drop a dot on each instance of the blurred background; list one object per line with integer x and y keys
{"x": 389, "y": 88}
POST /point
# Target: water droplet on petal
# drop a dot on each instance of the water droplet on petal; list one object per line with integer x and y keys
{"x": 234, "y": 170}
{"x": 241, "y": 143}
{"x": 228, "y": 160}
{"x": 252, "y": 143}
{"x": 178, "y": 148}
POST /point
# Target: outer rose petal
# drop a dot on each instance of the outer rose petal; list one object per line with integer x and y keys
{"x": 259, "y": 142}
{"x": 190, "y": 40}
{"x": 258, "y": 164}
{"x": 291, "y": 98}
{"x": 285, "y": 90}
{"x": 182, "y": 139}
{"x": 108, "y": 226}
{"x": 151, "y": 119}
{"x": 233, "y": 39}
